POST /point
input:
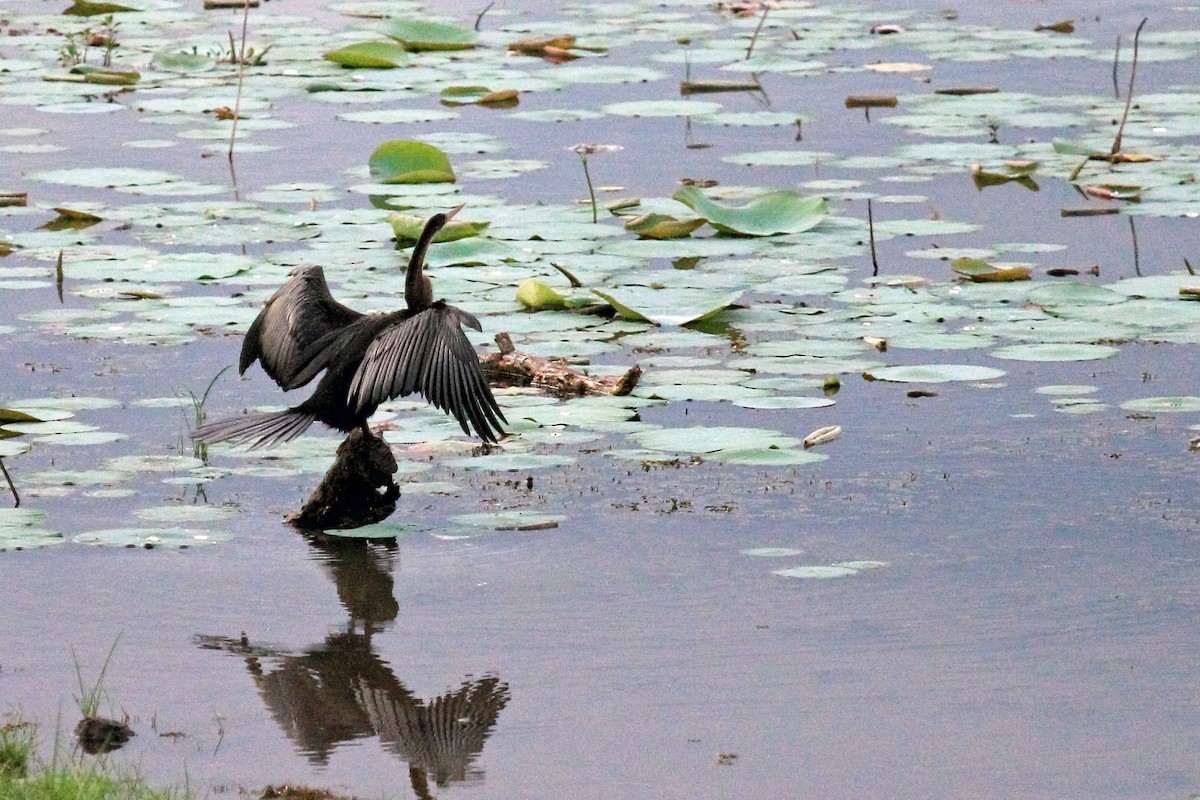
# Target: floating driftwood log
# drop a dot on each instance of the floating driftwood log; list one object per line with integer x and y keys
{"x": 514, "y": 368}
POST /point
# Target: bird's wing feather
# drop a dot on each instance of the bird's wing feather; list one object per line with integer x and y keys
{"x": 429, "y": 354}
{"x": 340, "y": 345}
{"x": 300, "y": 313}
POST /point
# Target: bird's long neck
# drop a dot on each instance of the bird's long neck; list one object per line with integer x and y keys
{"x": 418, "y": 291}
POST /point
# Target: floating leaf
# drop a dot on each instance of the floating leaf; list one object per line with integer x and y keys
{"x": 705, "y": 439}
{"x": 407, "y": 228}
{"x": 768, "y": 214}
{"x": 88, "y": 8}
{"x": 1015, "y": 171}
{"x": 980, "y": 271}
{"x": 535, "y": 295}
{"x": 1055, "y": 352}
{"x": 421, "y": 35}
{"x": 408, "y": 161}
{"x": 662, "y": 226}
{"x": 1155, "y": 405}
{"x": 934, "y": 373}
{"x": 151, "y": 538}
{"x": 823, "y": 435}
{"x": 379, "y": 55}
{"x": 816, "y": 572}
{"x": 667, "y": 306}
{"x": 661, "y": 108}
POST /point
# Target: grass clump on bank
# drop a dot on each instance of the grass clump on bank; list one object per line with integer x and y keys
{"x": 23, "y": 777}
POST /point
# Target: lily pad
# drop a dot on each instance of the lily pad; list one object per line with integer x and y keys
{"x": 377, "y": 55}
{"x": 766, "y": 215}
{"x": 151, "y": 538}
{"x": 667, "y": 306}
{"x": 408, "y": 161}
{"x": 934, "y": 373}
{"x": 421, "y": 35}
{"x": 1156, "y": 405}
{"x": 1055, "y": 352}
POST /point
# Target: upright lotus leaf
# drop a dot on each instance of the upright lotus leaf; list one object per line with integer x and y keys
{"x": 772, "y": 213}
{"x": 662, "y": 226}
{"x": 536, "y": 296}
{"x": 407, "y": 161}
{"x": 980, "y": 271}
{"x": 407, "y": 228}
{"x": 420, "y": 35}
{"x": 377, "y": 55}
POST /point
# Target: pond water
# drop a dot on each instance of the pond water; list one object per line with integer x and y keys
{"x": 988, "y": 586}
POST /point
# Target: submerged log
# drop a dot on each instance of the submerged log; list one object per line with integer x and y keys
{"x": 514, "y": 368}
{"x": 357, "y": 490}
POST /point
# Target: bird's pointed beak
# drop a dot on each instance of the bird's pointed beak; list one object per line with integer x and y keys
{"x": 450, "y": 214}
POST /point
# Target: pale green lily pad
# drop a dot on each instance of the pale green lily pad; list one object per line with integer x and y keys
{"x": 409, "y": 161}
{"x": 766, "y": 457}
{"x": 81, "y": 438}
{"x": 772, "y": 552}
{"x": 150, "y": 538}
{"x": 661, "y": 108}
{"x": 421, "y": 35}
{"x": 89, "y": 477}
{"x": 816, "y": 572}
{"x": 379, "y": 55}
{"x": 1067, "y": 389}
{"x": 667, "y": 306}
{"x": 184, "y": 514}
{"x": 387, "y": 529}
{"x": 508, "y": 462}
{"x": 704, "y": 439}
{"x": 509, "y": 520}
{"x": 535, "y": 295}
{"x": 398, "y": 116}
{"x": 783, "y": 401}
{"x": 935, "y": 373}
{"x": 1156, "y": 405}
{"x": 21, "y": 529}
{"x": 1055, "y": 352}
{"x": 766, "y": 215}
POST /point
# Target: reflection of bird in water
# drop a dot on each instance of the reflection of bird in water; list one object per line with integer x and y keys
{"x": 340, "y": 689}
{"x": 367, "y": 358}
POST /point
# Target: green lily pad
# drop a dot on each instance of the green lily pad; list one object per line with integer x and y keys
{"x": 704, "y": 439}
{"x": 667, "y": 306}
{"x": 89, "y": 8}
{"x": 662, "y": 108}
{"x": 772, "y": 552}
{"x": 816, "y": 572}
{"x": 766, "y": 457}
{"x": 421, "y": 35}
{"x": 150, "y": 538}
{"x": 509, "y": 520}
{"x": 1055, "y": 352}
{"x": 377, "y": 55}
{"x": 1155, "y": 405}
{"x": 408, "y": 161}
{"x": 535, "y": 295}
{"x": 766, "y": 215}
{"x": 662, "y": 226}
{"x": 407, "y": 228}
{"x": 935, "y": 373}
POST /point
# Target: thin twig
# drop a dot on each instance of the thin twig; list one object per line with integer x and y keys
{"x": 871, "y": 228}
{"x": 241, "y": 59}
{"x": 13, "y": 489}
{"x": 1116, "y": 148}
{"x": 1188, "y": 264}
{"x": 754, "y": 38}
{"x": 1116, "y": 63}
{"x": 1137, "y": 266}
{"x": 486, "y": 9}
{"x": 591, "y": 191}
{"x": 58, "y": 276}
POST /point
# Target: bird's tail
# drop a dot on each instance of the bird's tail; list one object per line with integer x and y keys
{"x": 257, "y": 430}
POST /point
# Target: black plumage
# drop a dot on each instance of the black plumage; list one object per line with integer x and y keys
{"x": 367, "y": 358}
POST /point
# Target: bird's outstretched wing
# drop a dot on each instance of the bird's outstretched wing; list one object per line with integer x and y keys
{"x": 295, "y": 317}
{"x": 428, "y": 353}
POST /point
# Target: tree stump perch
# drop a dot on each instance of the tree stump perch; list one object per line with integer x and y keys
{"x": 357, "y": 490}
